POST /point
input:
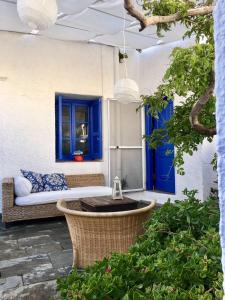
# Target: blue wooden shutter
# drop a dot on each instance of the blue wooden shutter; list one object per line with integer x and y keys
{"x": 96, "y": 129}
{"x": 165, "y": 174}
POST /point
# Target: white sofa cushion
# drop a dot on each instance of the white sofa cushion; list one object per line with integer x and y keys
{"x": 68, "y": 195}
{"x": 22, "y": 186}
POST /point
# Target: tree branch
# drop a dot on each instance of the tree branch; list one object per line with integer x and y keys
{"x": 197, "y": 108}
{"x": 154, "y": 20}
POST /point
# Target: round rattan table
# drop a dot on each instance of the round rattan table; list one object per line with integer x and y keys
{"x": 96, "y": 235}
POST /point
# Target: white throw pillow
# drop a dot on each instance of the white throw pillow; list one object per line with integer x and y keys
{"x": 23, "y": 186}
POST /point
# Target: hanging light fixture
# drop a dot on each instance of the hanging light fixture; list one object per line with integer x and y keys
{"x": 37, "y": 14}
{"x": 126, "y": 90}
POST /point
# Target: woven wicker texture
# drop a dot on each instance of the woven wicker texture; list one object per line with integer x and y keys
{"x": 96, "y": 235}
{"x": 85, "y": 180}
{"x": 12, "y": 212}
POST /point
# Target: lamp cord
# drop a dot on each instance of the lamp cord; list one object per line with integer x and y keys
{"x": 124, "y": 43}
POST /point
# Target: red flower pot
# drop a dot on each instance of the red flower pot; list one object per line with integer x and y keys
{"x": 78, "y": 157}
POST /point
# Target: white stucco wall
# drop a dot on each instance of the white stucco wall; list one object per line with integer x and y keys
{"x": 32, "y": 70}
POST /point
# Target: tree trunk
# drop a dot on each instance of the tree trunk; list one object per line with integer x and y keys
{"x": 220, "y": 115}
{"x": 197, "y": 108}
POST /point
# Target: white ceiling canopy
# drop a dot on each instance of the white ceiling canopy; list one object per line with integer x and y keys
{"x": 72, "y": 7}
{"x": 133, "y": 41}
{"x": 113, "y": 7}
{"x": 99, "y": 21}
{"x": 69, "y": 34}
{"x": 95, "y": 21}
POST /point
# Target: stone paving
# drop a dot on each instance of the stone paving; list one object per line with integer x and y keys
{"x": 32, "y": 256}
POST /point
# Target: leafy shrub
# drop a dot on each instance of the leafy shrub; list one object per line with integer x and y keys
{"x": 178, "y": 258}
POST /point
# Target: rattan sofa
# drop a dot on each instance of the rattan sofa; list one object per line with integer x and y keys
{"x": 12, "y": 212}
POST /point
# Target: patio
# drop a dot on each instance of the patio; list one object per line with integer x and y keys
{"x": 33, "y": 255}
{"x": 129, "y": 92}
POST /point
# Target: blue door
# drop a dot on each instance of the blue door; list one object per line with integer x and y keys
{"x": 160, "y": 169}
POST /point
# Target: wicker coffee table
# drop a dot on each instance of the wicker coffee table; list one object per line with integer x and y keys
{"x": 107, "y": 204}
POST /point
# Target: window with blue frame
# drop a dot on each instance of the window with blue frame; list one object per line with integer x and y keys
{"x": 78, "y": 128}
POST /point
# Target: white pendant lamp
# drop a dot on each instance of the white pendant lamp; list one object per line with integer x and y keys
{"x": 37, "y": 14}
{"x": 126, "y": 90}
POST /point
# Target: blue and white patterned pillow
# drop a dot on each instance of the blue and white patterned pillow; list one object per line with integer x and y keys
{"x": 35, "y": 179}
{"x": 54, "y": 182}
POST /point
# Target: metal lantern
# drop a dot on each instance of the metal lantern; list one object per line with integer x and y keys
{"x": 126, "y": 90}
{"x": 37, "y": 14}
{"x": 117, "y": 189}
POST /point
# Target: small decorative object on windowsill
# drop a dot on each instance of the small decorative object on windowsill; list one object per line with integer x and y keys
{"x": 78, "y": 155}
{"x": 117, "y": 189}
{"x": 84, "y": 135}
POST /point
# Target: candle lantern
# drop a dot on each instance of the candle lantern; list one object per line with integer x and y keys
{"x": 117, "y": 189}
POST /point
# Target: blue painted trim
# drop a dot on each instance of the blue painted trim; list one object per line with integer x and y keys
{"x": 60, "y": 127}
{"x": 73, "y": 131}
{"x": 100, "y": 127}
{"x": 78, "y": 102}
{"x": 91, "y": 128}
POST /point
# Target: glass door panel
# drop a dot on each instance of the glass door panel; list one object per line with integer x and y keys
{"x": 131, "y": 162}
{"x": 127, "y": 165}
{"x": 130, "y": 125}
{"x": 126, "y": 145}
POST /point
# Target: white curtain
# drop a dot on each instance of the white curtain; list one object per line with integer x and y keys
{"x": 219, "y": 17}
